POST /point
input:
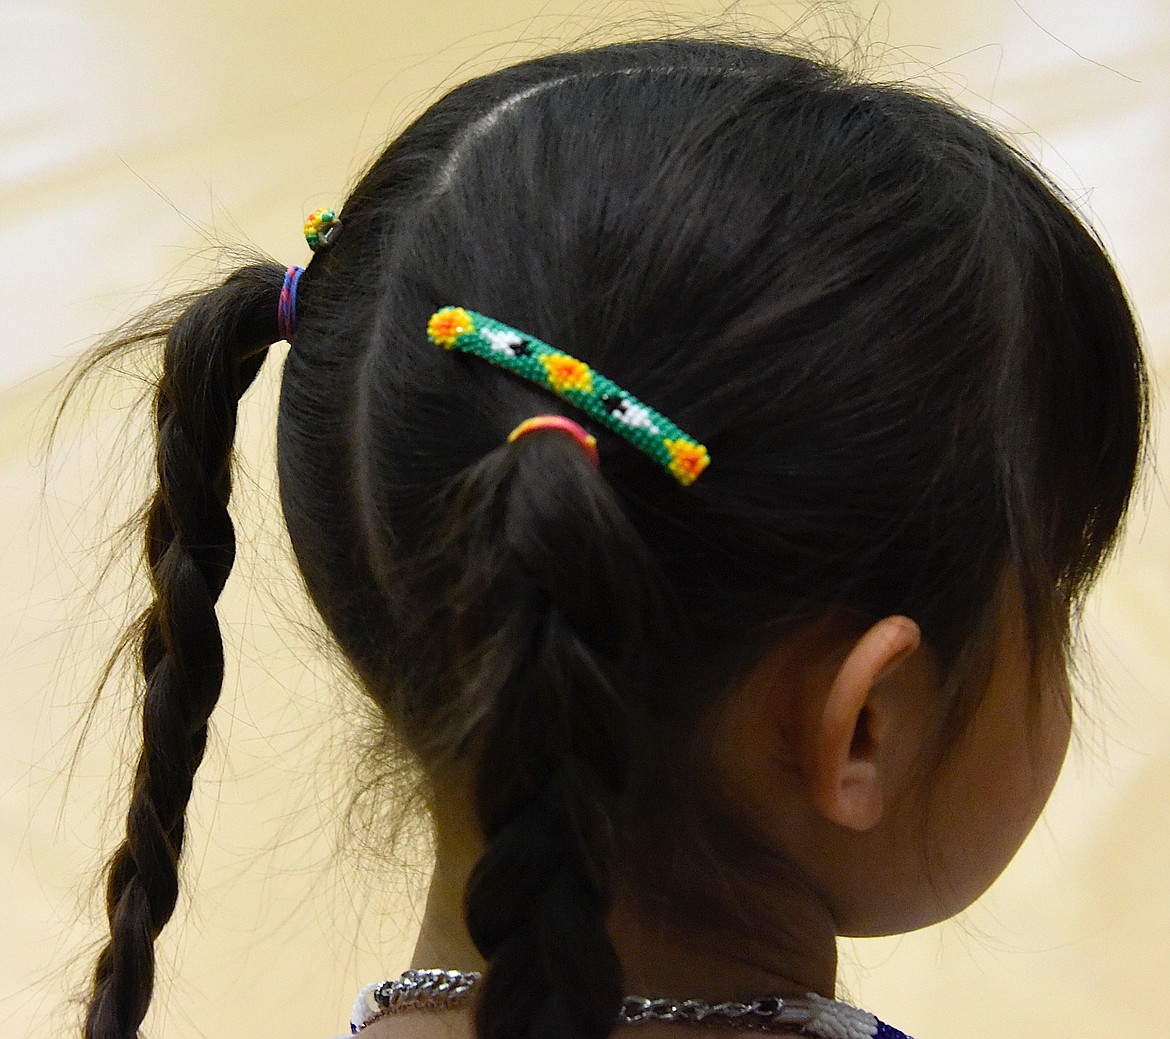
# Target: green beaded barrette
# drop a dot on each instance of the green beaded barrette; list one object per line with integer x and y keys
{"x": 454, "y": 328}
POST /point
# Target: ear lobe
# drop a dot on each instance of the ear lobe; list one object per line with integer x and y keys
{"x": 845, "y": 764}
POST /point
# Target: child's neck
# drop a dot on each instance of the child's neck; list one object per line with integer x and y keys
{"x": 665, "y": 960}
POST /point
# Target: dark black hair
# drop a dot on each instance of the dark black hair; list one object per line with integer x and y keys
{"x": 913, "y": 365}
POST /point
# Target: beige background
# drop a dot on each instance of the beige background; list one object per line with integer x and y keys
{"x": 135, "y": 138}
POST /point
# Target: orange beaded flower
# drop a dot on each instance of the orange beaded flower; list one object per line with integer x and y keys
{"x": 687, "y": 460}
{"x": 567, "y": 373}
{"x": 448, "y": 324}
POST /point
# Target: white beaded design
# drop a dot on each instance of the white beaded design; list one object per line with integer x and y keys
{"x": 364, "y": 1008}
{"x": 834, "y": 1020}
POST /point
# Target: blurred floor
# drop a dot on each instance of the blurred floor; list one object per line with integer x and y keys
{"x": 134, "y": 139}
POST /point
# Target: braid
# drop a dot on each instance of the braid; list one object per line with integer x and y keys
{"x": 213, "y": 351}
{"x": 548, "y": 782}
{"x": 555, "y": 566}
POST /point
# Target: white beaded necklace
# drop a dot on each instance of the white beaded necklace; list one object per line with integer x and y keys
{"x": 811, "y": 1015}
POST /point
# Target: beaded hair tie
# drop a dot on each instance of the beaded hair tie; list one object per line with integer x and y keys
{"x": 455, "y": 328}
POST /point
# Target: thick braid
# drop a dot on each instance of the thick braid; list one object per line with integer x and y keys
{"x": 213, "y": 351}
{"x": 548, "y": 782}
{"x": 567, "y": 589}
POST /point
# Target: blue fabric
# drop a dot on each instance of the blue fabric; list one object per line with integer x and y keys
{"x": 885, "y": 1031}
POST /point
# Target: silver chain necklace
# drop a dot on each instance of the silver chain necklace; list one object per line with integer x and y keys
{"x": 812, "y": 1015}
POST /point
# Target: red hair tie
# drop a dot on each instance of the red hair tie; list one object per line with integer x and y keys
{"x": 578, "y": 432}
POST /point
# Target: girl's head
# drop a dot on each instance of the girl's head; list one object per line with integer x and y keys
{"x": 923, "y": 396}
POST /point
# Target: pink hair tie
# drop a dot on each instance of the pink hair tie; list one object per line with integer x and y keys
{"x": 286, "y": 311}
{"x": 567, "y": 425}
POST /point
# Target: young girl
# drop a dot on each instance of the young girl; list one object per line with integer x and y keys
{"x": 700, "y": 455}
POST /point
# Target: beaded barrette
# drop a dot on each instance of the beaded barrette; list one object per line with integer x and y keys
{"x": 321, "y": 227}
{"x": 455, "y": 328}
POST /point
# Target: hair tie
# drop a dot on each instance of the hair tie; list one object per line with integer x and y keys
{"x": 578, "y": 432}
{"x": 286, "y": 309}
{"x": 454, "y": 328}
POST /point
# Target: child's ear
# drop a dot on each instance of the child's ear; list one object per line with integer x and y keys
{"x": 847, "y": 734}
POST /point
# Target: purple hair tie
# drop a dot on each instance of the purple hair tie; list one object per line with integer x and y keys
{"x": 286, "y": 311}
